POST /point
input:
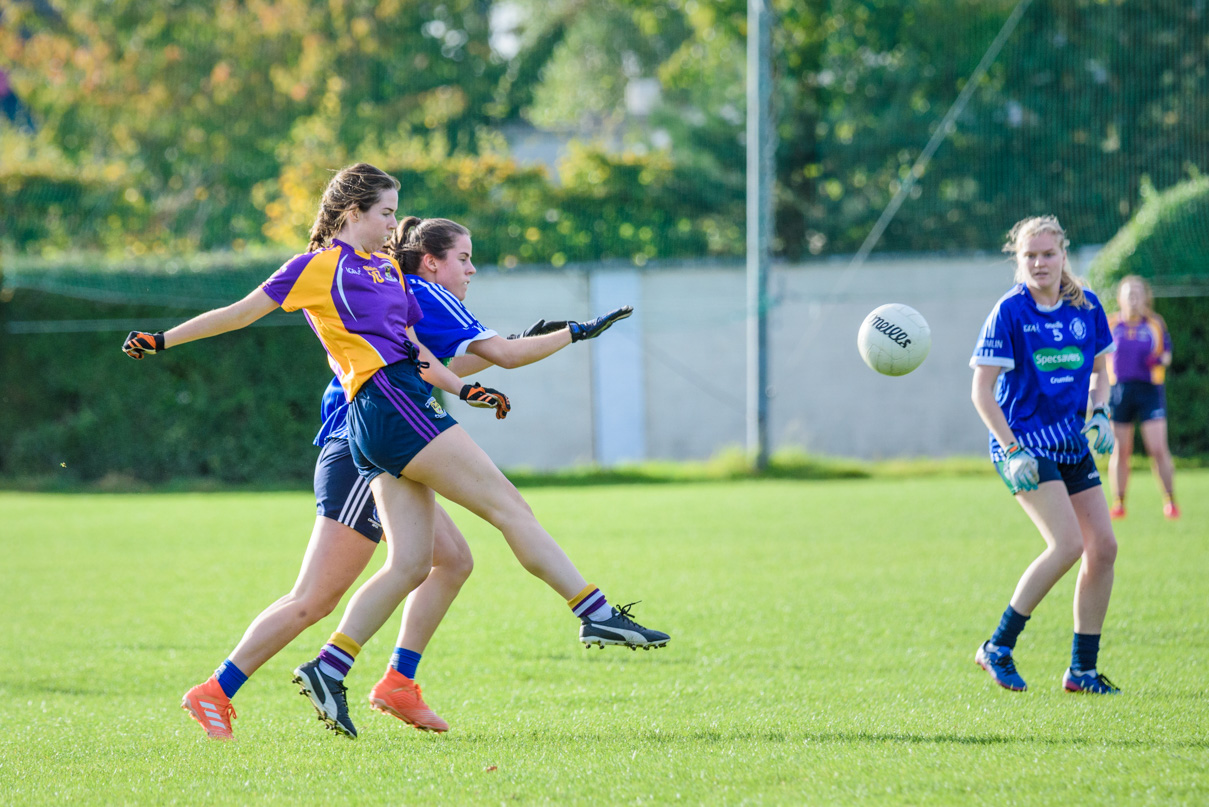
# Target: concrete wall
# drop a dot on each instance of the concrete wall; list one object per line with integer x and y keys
{"x": 668, "y": 382}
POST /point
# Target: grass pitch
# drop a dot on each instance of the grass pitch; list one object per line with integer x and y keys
{"x": 822, "y": 653}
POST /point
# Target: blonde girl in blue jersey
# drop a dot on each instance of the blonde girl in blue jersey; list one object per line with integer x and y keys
{"x": 1040, "y": 358}
{"x": 403, "y": 443}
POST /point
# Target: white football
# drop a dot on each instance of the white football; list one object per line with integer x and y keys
{"x": 894, "y": 339}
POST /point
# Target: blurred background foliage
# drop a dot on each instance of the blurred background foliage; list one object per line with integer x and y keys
{"x": 174, "y": 127}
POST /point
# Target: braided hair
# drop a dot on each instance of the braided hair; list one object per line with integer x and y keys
{"x": 356, "y": 187}
{"x": 416, "y": 237}
{"x": 1069, "y": 287}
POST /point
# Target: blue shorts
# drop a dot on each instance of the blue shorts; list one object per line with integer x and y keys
{"x": 392, "y": 418}
{"x": 1078, "y": 476}
{"x": 342, "y": 494}
{"x": 1138, "y": 402}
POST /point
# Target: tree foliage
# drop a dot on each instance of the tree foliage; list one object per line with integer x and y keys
{"x": 180, "y": 126}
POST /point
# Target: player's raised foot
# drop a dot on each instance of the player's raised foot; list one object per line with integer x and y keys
{"x": 327, "y": 696}
{"x": 1090, "y": 681}
{"x": 211, "y": 707}
{"x": 398, "y": 695}
{"x": 620, "y": 629}
{"x": 1000, "y": 665}
{"x": 1171, "y": 510}
{"x": 1117, "y": 510}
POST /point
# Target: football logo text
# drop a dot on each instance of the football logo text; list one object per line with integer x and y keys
{"x": 894, "y": 333}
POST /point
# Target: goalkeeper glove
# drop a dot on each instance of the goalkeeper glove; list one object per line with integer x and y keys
{"x": 486, "y": 398}
{"x": 595, "y": 327}
{"x": 1020, "y": 468}
{"x": 1099, "y": 423}
{"x": 540, "y": 327}
{"x": 138, "y": 343}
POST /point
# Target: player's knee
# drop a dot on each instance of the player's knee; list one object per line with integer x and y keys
{"x": 1068, "y": 553}
{"x": 1102, "y": 552}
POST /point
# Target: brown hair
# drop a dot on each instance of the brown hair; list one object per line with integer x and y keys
{"x": 1069, "y": 287}
{"x": 356, "y": 187}
{"x": 416, "y": 237}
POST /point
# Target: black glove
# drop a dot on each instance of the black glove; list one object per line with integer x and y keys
{"x": 595, "y": 327}
{"x": 486, "y": 398}
{"x": 541, "y": 327}
{"x": 139, "y": 343}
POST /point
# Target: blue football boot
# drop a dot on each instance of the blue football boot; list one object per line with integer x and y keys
{"x": 1088, "y": 682}
{"x": 1000, "y": 666}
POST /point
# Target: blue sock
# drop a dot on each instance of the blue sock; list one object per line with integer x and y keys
{"x": 405, "y": 661}
{"x": 1084, "y": 651}
{"x": 1009, "y": 628}
{"x": 231, "y": 678}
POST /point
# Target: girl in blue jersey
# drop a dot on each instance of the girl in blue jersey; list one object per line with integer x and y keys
{"x": 1041, "y": 353}
{"x": 436, "y": 254}
{"x": 403, "y": 443}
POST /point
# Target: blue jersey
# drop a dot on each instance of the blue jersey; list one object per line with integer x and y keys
{"x": 447, "y": 329}
{"x": 332, "y": 411}
{"x": 1047, "y": 356}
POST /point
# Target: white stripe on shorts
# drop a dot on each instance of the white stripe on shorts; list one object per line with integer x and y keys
{"x": 357, "y": 495}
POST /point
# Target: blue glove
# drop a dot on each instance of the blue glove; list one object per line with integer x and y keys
{"x": 1099, "y": 423}
{"x": 595, "y": 327}
{"x": 1020, "y": 468}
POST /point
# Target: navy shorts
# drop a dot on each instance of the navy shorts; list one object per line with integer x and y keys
{"x": 392, "y": 418}
{"x": 1078, "y": 476}
{"x": 342, "y": 494}
{"x": 1138, "y": 402}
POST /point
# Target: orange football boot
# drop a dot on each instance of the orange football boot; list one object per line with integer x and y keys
{"x": 1171, "y": 510}
{"x": 1118, "y": 509}
{"x": 398, "y": 695}
{"x": 211, "y": 707}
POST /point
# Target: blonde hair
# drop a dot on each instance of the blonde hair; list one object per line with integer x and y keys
{"x": 1147, "y": 291}
{"x": 1070, "y": 288}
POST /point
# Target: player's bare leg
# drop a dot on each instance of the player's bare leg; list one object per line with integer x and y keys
{"x": 1093, "y": 588}
{"x": 1118, "y": 466}
{"x": 397, "y": 693}
{"x": 406, "y": 510}
{"x": 1154, "y": 438}
{"x": 334, "y": 558}
{"x": 454, "y": 466}
{"x": 1050, "y": 509}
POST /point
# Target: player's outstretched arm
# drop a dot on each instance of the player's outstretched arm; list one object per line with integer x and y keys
{"x": 440, "y": 376}
{"x": 221, "y": 320}
{"x": 513, "y": 353}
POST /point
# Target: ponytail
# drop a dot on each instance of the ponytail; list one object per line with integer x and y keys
{"x": 415, "y": 237}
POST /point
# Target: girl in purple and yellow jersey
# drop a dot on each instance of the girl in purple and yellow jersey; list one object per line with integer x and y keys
{"x": 1039, "y": 361}
{"x": 402, "y": 442}
{"x": 1138, "y": 371}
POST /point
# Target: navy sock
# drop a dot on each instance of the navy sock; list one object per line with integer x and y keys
{"x": 1084, "y": 651}
{"x": 231, "y": 678}
{"x": 1009, "y": 628}
{"x": 405, "y": 661}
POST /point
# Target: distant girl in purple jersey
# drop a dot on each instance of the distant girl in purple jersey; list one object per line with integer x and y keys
{"x": 1138, "y": 370}
{"x": 403, "y": 443}
{"x": 1042, "y": 350}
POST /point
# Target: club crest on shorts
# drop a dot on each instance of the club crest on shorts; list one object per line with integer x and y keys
{"x": 437, "y": 411}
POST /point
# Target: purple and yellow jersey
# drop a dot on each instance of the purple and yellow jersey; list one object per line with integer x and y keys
{"x": 1140, "y": 346}
{"x": 1047, "y": 354}
{"x": 356, "y": 304}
